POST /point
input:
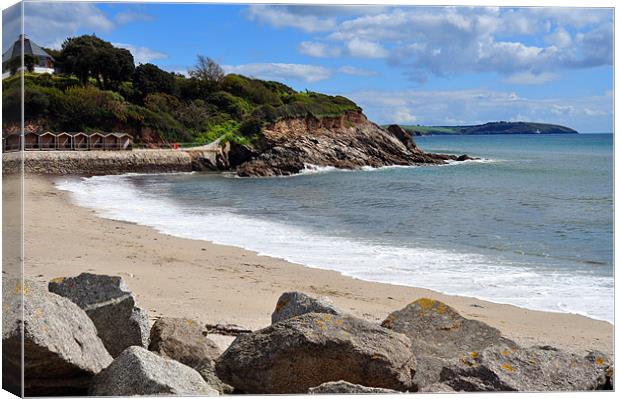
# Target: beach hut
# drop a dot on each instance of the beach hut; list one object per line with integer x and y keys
{"x": 110, "y": 142}
{"x": 31, "y": 141}
{"x": 80, "y": 141}
{"x": 47, "y": 141}
{"x": 64, "y": 141}
{"x": 12, "y": 142}
{"x": 95, "y": 141}
{"x": 124, "y": 141}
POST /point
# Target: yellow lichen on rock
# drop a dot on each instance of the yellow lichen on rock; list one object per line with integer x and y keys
{"x": 508, "y": 367}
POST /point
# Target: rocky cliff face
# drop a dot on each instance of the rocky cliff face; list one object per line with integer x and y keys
{"x": 350, "y": 141}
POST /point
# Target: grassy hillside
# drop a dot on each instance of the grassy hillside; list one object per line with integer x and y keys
{"x": 490, "y": 128}
{"x": 152, "y": 104}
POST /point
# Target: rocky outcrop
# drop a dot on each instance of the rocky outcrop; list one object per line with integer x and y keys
{"x": 504, "y": 368}
{"x": 111, "y": 306}
{"x": 291, "y": 304}
{"x": 346, "y": 387}
{"x": 440, "y": 336}
{"x": 62, "y": 352}
{"x": 458, "y": 354}
{"x": 308, "y": 350}
{"x": 183, "y": 340}
{"x": 140, "y": 372}
{"x": 347, "y": 142}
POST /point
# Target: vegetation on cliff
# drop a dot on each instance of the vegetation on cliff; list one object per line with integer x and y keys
{"x": 98, "y": 87}
{"x": 490, "y": 128}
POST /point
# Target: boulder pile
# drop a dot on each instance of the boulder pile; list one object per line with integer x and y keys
{"x": 86, "y": 335}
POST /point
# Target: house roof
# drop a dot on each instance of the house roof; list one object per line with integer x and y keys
{"x": 30, "y": 47}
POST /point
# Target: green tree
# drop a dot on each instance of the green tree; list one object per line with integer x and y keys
{"x": 88, "y": 56}
{"x": 149, "y": 78}
{"x": 30, "y": 61}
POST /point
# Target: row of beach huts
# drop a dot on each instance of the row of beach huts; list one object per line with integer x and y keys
{"x": 67, "y": 141}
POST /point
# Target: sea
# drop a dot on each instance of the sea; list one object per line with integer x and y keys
{"x": 529, "y": 224}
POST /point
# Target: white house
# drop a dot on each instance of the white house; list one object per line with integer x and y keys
{"x": 45, "y": 62}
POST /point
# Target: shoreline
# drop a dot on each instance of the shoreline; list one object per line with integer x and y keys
{"x": 222, "y": 284}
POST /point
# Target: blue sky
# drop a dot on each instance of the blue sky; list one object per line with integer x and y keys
{"x": 414, "y": 65}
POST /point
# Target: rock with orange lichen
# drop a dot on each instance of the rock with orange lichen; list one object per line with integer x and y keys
{"x": 605, "y": 368}
{"x": 308, "y": 350}
{"x": 62, "y": 352}
{"x": 440, "y": 336}
{"x": 506, "y": 368}
{"x": 184, "y": 340}
{"x": 291, "y": 304}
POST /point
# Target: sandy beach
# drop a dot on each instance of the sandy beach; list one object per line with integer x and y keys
{"x": 220, "y": 284}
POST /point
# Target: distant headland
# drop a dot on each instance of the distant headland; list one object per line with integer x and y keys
{"x": 501, "y": 127}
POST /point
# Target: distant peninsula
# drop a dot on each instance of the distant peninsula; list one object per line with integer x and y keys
{"x": 490, "y": 128}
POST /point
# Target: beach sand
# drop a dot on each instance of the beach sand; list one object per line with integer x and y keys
{"x": 221, "y": 284}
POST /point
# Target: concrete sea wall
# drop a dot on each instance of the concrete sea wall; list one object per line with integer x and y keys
{"x": 99, "y": 162}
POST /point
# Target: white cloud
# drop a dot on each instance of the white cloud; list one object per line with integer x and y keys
{"x": 529, "y": 78}
{"x": 277, "y": 71}
{"x": 284, "y": 17}
{"x": 593, "y": 113}
{"x": 560, "y": 38}
{"x": 403, "y": 115}
{"x": 142, "y": 55}
{"x": 317, "y": 49}
{"x": 131, "y": 16}
{"x": 366, "y": 49}
{"x": 454, "y": 40}
{"x": 355, "y": 71}
{"x": 49, "y": 23}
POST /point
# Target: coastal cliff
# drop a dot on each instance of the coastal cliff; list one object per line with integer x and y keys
{"x": 349, "y": 141}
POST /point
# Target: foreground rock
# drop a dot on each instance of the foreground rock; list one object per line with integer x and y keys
{"x": 502, "y": 368}
{"x": 306, "y": 351}
{"x": 349, "y": 141}
{"x": 62, "y": 349}
{"x": 291, "y": 304}
{"x": 440, "y": 336}
{"x": 183, "y": 340}
{"x": 112, "y": 307}
{"x": 346, "y": 387}
{"x": 136, "y": 371}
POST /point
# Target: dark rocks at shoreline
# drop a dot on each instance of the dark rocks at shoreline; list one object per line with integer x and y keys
{"x": 291, "y": 304}
{"x": 297, "y": 354}
{"x": 347, "y": 142}
{"x": 62, "y": 350}
{"x": 346, "y": 387}
{"x": 111, "y": 306}
{"x": 183, "y": 340}
{"x": 136, "y": 371}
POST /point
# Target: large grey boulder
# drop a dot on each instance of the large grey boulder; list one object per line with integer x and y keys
{"x": 183, "y": 340}
{"x": 502, "y": 368}
{"x": 136, "y": 371}
{"x": 305, "y": 351}
{"x": 291, "y": 304}
{"x": 440, "y": 336}
{"x": 112, "y": 307}
{"x": 62, "y": 351}
{"x": 346, "y": 387}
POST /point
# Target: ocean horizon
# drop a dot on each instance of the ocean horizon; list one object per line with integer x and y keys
{"x": 529, "y": 224}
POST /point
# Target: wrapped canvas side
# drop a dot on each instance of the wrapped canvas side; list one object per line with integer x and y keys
{"x": 12, "y": 205}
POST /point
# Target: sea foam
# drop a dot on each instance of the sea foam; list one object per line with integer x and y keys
{"x": 451, "y": 272}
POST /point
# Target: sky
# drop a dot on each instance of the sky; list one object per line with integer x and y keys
{"x": 401, "y": 64}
